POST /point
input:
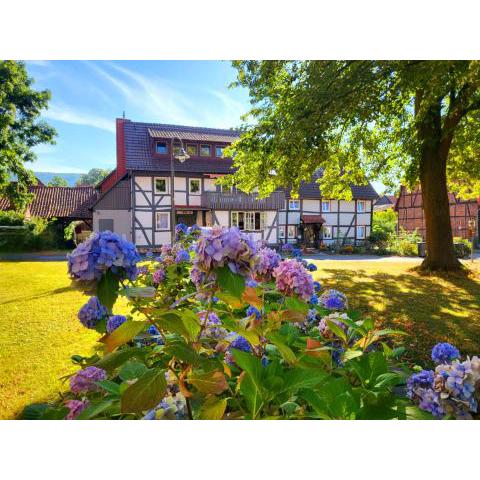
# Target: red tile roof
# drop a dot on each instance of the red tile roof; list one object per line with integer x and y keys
{"x": 60, "y": 202}
{"x": 312, "y": 219}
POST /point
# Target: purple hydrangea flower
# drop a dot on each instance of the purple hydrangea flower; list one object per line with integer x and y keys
{"x": 212, "y": 326}
{"x": 182, "y": 256}
{"x": 221, "y": 247}
{"x": 338, "y": 319}
{"x": 158, "y": 275}
{"x": 287, "y": 248}
{"x": 143, "y": 270}
{"x": 292, "y": 278}
{"x": 444, "y": 353}
{"x": 334, "y": 300}
{"x": 311, "y": 315}
{"x": 92, "y": 312}
{"x": 251, "y": 283}
{"x": 251, "y": 310}
{"x": 76, "y": 407}
{"x": 103, "y": 251}
{"x": 85, "y": 380}
{"x": 267, "y": 260}
{"x": 114, "y": 322}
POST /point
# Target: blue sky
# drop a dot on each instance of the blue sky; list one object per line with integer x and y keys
{"x": 87, "y": 96}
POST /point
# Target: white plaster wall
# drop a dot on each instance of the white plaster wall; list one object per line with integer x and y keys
{"x": 330, "y": 218}
{"x": 180, "y": 198}
{"x": 222, "y": 217}
{"x": 346, "y": 218}
{"x": 180, "y": 183}
{"x": 363, "y": 219}
{"x": 194, "y": 200}
{"x": 293, "y": 218}
{"x": 122, "y": 221}
{"x": 282, "y": 218}
{"x": 162, "y": 237}
{"x": 145, "y": 183}
{"x": 140, "y": 199}
{"x": 347, "y": 206}
{"x": 140, "y": 240}
{"x": 209, "y": 185}
{"x": 311, "y": 206}
{"x": 164, "y": 202}
{"x": 145, "y": 218}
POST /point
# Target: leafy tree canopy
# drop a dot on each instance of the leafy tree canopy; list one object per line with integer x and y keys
{"x": 93, "y": 176}
{"x": 357, "y": 120}
{"x": 57, "y": 181}
{"x": 20, "y": 129}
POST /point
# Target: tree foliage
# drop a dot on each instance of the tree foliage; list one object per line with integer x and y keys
{"x": 93, "y": 176}
{"x": 57, "y": 181}
{"x": 20, "y": 130}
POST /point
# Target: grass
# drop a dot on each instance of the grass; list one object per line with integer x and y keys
{"x": 39, "y": 330}
{"x": 429, "y": 309}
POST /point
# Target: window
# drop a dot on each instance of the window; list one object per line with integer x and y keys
{"x": 248, "y": 220}
{"x": 361, "y": 231}
{"x": 361, "y": 206}
{"x": 161, "y": 147}
{"x": 292, "y": 231}
{"x": 325, "y": 205}
{"x": 294, "y": 204}
{"x": 327, "y": 232}
{"x": 192, "y": 149}
{"x": 161, "y": 185}
{"x": 194, "y": 186}
{"x": 177, "y": 149}
{"x": 205, "y": 150}
{"x": 219, "y": 151}
{"x": 281, "y": 232}
{"x": 163, "y": 221}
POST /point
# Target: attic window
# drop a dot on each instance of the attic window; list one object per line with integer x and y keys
{"x": 205, "y": 150}
{"x": 161, "y": 147}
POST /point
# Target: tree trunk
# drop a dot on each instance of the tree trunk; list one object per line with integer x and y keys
{"x": 436, "y": 208}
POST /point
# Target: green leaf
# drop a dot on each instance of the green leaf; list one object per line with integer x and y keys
{"x": 94, "y": 410}
{"x": 180, "y": 350}
{"x": 34, "y": 411}
{"x": 110, "y": 387}
{"x": 349, "y": 354}
{"x": 107, "y": 289}
{"x": 285, "y": 351}
{"x": 145, "y": 393}
{"x": 132, "y": 370}
{"x": 113, "y": 360}
{"x": 299, "y": 378}
{"x": 294, "y": 303}
{"x": 337, "y": 330}
{"x": 139, "y": 292}
{"x": 415, "y": 413}
{"x": 213, "y": 382}
{"x": 183, "y": 322}
{"x": 213, "y": 409}
{"x": 230, "y": 282}
{"x": 123, "y": 334}
{"x": 55, "y": 413}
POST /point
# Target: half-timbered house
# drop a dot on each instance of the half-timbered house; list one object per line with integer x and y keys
{"x": 463, "y": 213}
{"x": 136, "y": 198}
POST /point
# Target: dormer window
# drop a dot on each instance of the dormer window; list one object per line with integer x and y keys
{"x": 219, "y": 151}
{"x": 205, "y": 150}
{"x": 161, "y": 147}
{"x": 192, "y": 149}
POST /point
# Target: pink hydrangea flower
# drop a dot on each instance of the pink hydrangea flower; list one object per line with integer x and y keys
{"x": 291, "y": 278}
{"x": 76, "y": 407}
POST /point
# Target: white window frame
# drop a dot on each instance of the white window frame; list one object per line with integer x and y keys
{"x": 363, "y": 203}
{"x": 248, "y": 220}
{"x": 209, "y": 150}
{"x": 157, "y": 192}
{"x": 294, "y": 230}
{"x": 157, "y": 215}
{"x": 281, "y": 231}
{"x": 361, "y": 228}
{"x": 294, "y": 204}
{"x": 327, "y": 232}
{"x": 327, "y": 204}
{"x": 190, "y": 186}
{"x": 166, "y": 148}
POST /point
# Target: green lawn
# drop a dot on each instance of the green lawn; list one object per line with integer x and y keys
{"x": 39, "y": 330}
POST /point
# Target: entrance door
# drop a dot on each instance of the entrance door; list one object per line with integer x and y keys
{"x": 311, "y": 235}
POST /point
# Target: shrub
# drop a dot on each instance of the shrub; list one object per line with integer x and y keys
{"x": 11, "y": 218}
{"x": 221, "y": 328}
{"x": 405, "y": 243}
{"x": 462, "y": 247}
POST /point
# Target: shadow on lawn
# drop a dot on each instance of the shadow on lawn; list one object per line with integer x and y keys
{"x": 48, "y": 293}
{"x": 427, "y": 308}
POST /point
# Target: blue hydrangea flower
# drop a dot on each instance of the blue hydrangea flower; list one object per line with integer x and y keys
{"x": 182, "y": 256}
{"x": 296, "y": 253}
{"x": 251, "y": 283}
{"x": 287, "y": 248}
{"x": 149, "y": 254}
{"x": 311, "y": 267}
{"x": 264, "y": 361}
{"x": 92, "y": 312}
{"x": 444, "y": 353}
{"x": 114, "y": 322}
{"x": 311, "y": 315}
{"x": 251, "y": 310}
{"x": 194, "y": 230}
{"x": 317, "y": 286}
{"x": 103, "y": 251}
{"x": 423, "y": 379}
{"x": 241, "y": 343}
{"x": 334, "y": 300}
{"x": 181, "y": 228}
{"x": 314, "y": 300}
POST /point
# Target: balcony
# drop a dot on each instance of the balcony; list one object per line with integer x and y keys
{"x": 242, "y": 201}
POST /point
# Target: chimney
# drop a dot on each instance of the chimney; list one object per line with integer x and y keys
{"x": 121, "y": 156}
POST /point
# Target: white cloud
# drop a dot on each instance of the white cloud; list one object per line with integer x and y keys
{"x": 66, "y": 114}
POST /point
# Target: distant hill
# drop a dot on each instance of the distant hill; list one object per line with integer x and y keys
{"x": 45, "y": 177}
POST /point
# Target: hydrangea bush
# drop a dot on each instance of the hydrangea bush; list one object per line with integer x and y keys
{"x": 221, "y": 327}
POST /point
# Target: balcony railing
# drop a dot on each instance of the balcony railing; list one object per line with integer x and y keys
{"x": 242, "y": 201}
